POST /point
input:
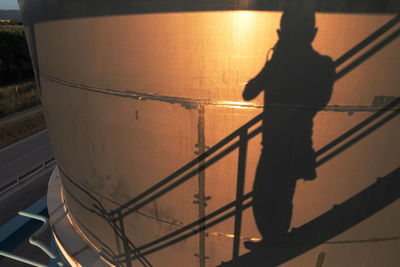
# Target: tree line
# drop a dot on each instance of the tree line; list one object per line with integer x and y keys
{"x": 14, "y": 54}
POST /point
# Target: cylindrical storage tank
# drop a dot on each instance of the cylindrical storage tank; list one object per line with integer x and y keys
{"x": 157, "y": 150}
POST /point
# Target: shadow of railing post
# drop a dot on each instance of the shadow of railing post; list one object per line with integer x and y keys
{"x": 127, "y": 207}
{"x": 124, "y": 241}
{"x": 243, "y": 139}
{"x": 239, "y": 204}
{"x": 319, "y": 230}
{"x": 201, "y": 196}
{"x": 174, "y": 180}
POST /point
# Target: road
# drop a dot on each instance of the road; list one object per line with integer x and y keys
{"x": 20, "y": 113}
{"x": 21, "y": 157}
{"x": 16, "y": 160}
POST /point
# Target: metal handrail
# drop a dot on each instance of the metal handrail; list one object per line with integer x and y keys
{"x": 27, "y": 174}
{"x": 34, "y": 241}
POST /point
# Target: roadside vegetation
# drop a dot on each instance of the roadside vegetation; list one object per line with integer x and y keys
{"x": 17, "y": 97}
{"x": 15, "y": 63}
{"x": 18, "y": 90}
{"x": 18, "y": 128}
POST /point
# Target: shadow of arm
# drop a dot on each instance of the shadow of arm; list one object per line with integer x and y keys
{"x": 256, "y": 85}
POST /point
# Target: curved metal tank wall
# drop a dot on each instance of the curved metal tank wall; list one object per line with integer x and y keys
{"x": 130, "y": 99}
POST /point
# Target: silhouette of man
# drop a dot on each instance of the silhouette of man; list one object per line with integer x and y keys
{"x": 297, "y": 83}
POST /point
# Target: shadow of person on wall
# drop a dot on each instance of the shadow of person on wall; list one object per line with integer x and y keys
{"x": 297, "y": 82}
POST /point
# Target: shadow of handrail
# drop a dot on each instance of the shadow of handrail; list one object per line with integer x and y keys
{"x": 372, "y": 199}
{"x": 326, "y": 226}
{"x": 100, "y": 210}
{"x": 232, "y": 136}
{"x": 189, "y": 165}
{"x": 242, "y": 202}
{"x": 212, "y": 218}
{"x": 259, "y": 117}
{"x": 191, "y": 228}
{"x": 372, "y": 37}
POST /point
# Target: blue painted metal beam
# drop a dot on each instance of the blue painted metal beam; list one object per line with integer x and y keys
{"x": 21, "y": 228}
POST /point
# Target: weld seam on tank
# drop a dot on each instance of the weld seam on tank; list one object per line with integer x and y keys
{"x": 192, "y": 103}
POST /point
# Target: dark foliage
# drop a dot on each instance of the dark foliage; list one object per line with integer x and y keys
{"x": 14, "y": 53}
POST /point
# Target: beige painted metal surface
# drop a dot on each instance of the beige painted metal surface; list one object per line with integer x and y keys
{"x": 122, "y": 94}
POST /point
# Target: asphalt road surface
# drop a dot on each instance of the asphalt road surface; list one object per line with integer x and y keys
{"x": 21, "y": 157}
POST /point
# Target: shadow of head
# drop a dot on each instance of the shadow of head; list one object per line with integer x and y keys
{"x": 297, "y": 25}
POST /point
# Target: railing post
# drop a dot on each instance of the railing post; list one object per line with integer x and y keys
{"x": 124, "y": 241}
{"x": 239, "y": 191}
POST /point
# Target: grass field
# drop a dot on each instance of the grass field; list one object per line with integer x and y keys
{"x": 15, "y": 98}
{"x": 21, "y": 127}
{"x": 12, "y": 28}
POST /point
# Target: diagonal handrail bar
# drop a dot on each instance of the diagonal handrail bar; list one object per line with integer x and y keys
{"x": 317, "y": 231}
{"x": 393, "y": 177}
{"x": 100, "y": 211}
{"x": 189, "y": 165}
{"x": 359, "y": 126}
{"x": 189, "y": 175}
{"x": 372, "y": 37}
{"x": 393, "y": 36}
{"x": 354, "y": 140}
